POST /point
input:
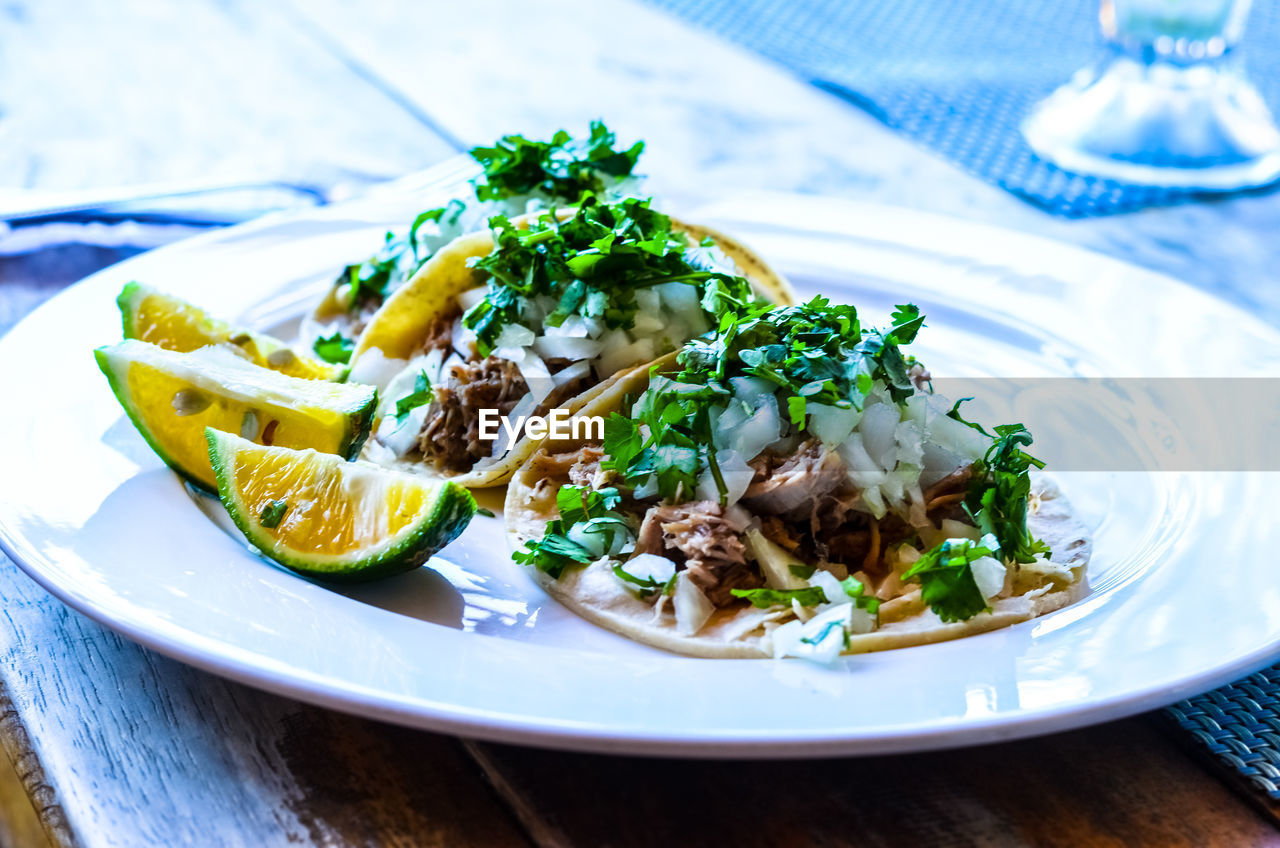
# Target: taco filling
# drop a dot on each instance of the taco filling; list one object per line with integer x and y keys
{"x": 789, "y": 485}
{"x": 559, "y": 303}
{"x": 520, "y": 176}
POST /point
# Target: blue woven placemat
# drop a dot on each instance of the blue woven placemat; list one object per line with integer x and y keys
{"x": 1239, "y": 725}
{"x": 960, "y": 75}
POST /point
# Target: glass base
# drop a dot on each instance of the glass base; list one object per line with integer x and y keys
{"x": 1200, "y": 126}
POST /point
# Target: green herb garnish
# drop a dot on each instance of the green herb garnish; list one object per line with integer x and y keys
{"x": 421, "y": 396}
{"x": 945, "y": 575}
{"x": 564, "y": 167}
{"x": 563, "y": 170}
{"x": 645, "y": 586}
{"x": 817, "y": 353}
{"x": 853, "y": 587}
{"x": 809, "y": 596}
{"x": 336, "y": 348}
{"x": 823, "y": 634}
{"x": 273, "y": 514}
{"x": 997, "y": 498}
{"x": 555, "y": 551}
{"x": 591, "y": 265}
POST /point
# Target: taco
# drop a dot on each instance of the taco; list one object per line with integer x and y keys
{"x": 790, "y": 486}
{"x": 520, "y": 175}
{"x": 537, "y": 314}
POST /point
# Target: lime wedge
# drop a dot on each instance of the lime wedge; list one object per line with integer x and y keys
{"x": 174, "y": 324}
{"x": 323, "y": 517}
{"x": 171, "y": 397}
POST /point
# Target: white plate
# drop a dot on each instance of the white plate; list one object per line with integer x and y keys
{"x": 1185, "y": 595}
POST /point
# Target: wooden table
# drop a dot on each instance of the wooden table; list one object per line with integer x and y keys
{"x": 115, "y": 745}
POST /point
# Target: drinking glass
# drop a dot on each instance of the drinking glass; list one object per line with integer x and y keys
{"x": 1168, "y": 106}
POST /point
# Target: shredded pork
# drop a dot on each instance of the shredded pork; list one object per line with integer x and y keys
{"x": 785, "y": 484}
{"x": 450, "y": 437}
{"x": 439, "y": 335}
{"x": 707, "y": 540}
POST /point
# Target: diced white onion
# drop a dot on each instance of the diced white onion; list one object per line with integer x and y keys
{"x": 762, "y": 429}
{"x": 648, "y": 322}
{"x": 752, "y": 390}
{"x": 566, "y": 347}
{"x": 616, "y": 538}
{"x": 735, "y": 472}
{"x": 648, "y": 488}
{"x": 514, "y": 336}
{"x": 916, "y": 408}
{"x": 685, "y": 301}
{"x": 725, "y": 422}
{"x": 471, "y": 297}
{"x": 831, "y": 424}
{"x": 957, "y": 438}
{"x": 775, "y": 563}
{"x": 645, "y": 567}
{"x": 937, "y": 462}
{"x": 571, "y": 372}
{"x": 789, "y": 639}
{"x": 405, "y": 382}
{"x": 879, "y": 421}
{"x": 573, "y": 327}
{"x": 691, "y": 606}
{"x": 613, "y": 360}
{"x": 864, "y": 473}
{"x": 648, "y": 304}
{"x": 462, "y": 339}
{"x": 534, "y": 371}
{"x": 402, "y": 437}
{"x": 830, "y": 587}
{"x": 988, "y": 573}
{"x": 910, "y": 439}
{"x": 373, "y": 368}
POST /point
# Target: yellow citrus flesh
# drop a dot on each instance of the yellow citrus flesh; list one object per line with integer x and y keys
{"x": 153, "y": 391}
{"x": 174, "y": 324}
{"x": 172, "y": 397}
{"x": 331, "y": 508}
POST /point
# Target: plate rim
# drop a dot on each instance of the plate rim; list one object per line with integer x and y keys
{"x": 330, "y": 692}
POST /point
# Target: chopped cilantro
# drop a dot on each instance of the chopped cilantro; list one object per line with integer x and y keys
{"x": 997, "y": 499}
{"x": 451, "y": 211}
{"x": 814, "y": 353}
{"x": 809, "y": 596}
{"x": 591, "y": 265}
{"x": 485, "y": 511}
{"x": 646, "y": 586}
{"x": 369, "y": 279}
{"x": 853, "y": 588}
{"x": 273, "y": 513}
{"x": 907, "y": 321}
{"x": 555, "y": 551}
{"x": 825, "y": 633}
{"x": 946, "y": 579}
{"x": 336, "y": 348}
{"x": 421, "y": 396}
{"x": 564, "y": 167}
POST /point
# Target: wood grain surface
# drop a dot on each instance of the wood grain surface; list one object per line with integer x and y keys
{"x": 117, "y": 746}
{"x": 1117, "y": 784}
